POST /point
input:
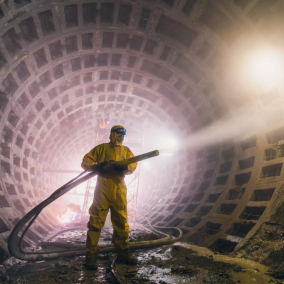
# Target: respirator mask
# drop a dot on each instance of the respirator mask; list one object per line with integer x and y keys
{"x": 120, "y": 132}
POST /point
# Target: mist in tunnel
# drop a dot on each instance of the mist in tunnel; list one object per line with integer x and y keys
{"x": 200, "y": 81}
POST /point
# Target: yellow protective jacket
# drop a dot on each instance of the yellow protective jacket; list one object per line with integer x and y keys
{"x": 110, "y": 193}
{"x": 109, "y": 152}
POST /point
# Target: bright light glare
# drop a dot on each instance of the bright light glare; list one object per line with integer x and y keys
{"x": 146, "y": 165}
{"x": 162, "y": 140}
{"x": 171, "y": 142}
{"x": 166, "y": 154}
{"x": 265, "y": 68}
{"x": 68, "y": 216}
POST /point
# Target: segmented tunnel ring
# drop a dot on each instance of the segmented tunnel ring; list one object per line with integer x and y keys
{"x": 61, "y": 61}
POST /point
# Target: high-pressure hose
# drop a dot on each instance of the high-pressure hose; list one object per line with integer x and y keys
{"x": 166, "y": 240}
{"x": 109, "y": 248}
{"x": 14, "y": 241}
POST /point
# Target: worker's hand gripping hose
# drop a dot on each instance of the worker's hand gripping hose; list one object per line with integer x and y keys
{"x": 14, "y": 241}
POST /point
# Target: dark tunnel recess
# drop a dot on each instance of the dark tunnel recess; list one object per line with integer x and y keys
{"x": 204, "y": 232}
{"x": 262, "y": 194}
{"x": 223, "y": 246}
{"x": 252, "y": 212}
{"x": 227, "y": 208}
{"x": 242, "y": 178}
{"x": 241, "y": 229}
{"x": 271, "y": 171}
{"x": 236, "y": 193}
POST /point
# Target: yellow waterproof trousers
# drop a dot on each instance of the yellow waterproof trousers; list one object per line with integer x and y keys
{"x": 105, "y": 199}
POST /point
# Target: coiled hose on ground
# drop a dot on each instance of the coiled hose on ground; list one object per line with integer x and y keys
{"x": 14, "y": 241}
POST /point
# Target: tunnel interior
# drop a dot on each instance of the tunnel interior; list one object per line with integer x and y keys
{"x": 171, "y": 73}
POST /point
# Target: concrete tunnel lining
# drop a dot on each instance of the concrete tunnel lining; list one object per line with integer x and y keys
{"x": 145, "y": 66}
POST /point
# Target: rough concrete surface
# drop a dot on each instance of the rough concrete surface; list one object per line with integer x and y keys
{"x": 178, "y": 263}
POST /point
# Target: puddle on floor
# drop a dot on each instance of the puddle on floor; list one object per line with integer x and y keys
{"x": 177, "y": 263}
{"x": 184, "y": 263}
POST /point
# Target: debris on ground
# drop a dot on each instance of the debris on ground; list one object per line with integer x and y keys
{"x": 177, "y": 263}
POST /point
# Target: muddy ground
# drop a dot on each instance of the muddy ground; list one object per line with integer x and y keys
{"x": 178, "y": 263}
{"x": 166, "y": 264}
{"x": 267, "y": 245}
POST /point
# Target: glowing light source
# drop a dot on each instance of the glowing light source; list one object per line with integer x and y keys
{"x": 166, "y": 154}
{"x": 71, "y": 213}
{"x": 265, "y": 68}
{"x": 162, "y": 139}
{"x": 170, "y": 141}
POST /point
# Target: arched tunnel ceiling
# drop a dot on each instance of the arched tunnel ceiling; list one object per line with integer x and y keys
{"x": 144, "y": 64}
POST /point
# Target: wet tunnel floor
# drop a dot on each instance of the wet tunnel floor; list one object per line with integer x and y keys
{"x": 178, "y": 263}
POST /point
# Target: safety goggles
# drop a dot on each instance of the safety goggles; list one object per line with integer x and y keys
{"x": 120, "y": 131}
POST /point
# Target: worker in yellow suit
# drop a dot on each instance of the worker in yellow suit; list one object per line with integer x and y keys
{"x": 110, "y": 193}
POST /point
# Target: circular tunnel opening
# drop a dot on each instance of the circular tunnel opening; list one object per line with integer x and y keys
{"x": 171, "y": 73}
